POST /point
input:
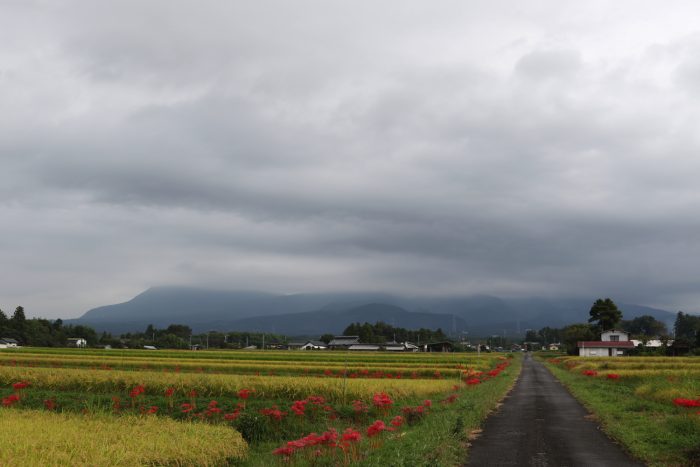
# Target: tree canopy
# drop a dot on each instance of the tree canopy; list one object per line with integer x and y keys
{"x": 605, "y": 314}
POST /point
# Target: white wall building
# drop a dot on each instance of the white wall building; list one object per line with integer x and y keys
{"x": 612, "y": 343}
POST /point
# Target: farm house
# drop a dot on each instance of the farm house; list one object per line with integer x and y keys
{"x": 612, "y": 343}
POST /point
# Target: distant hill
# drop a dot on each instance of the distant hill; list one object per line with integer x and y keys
{"x": 315, "y": 314}
{"x": 314, "y": 323}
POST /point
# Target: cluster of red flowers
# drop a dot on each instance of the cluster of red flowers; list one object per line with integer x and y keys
{"x": 13, "y": 399}
{"x": 680, "y": 402}
{"x": 19, "y": 386}
{"x": 414, "y": 413}
{"x": 450, "y": 399}
{"x": 187, "y": 407}
{"x": 10, "y": 400}
{"x": 377, "y": 427}
{"x": 382, "y": 402}
{"x": 231, "y": 416}
{"x": 589, "y": 373}
{"x": 212, "y": 409}
{"x": 274, "y": 413}
{"x": 137, "y": 391}
{"x": 397, "y": 421}
{"x": 613, "y": 376}
{"x": 149, "y": 410}
{"x": 327, "y": 439}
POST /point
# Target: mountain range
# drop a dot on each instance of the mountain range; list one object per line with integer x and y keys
{"x": 314, "y": 314}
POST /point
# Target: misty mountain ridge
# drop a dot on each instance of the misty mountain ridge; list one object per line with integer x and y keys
{"x": 314, "y": 314}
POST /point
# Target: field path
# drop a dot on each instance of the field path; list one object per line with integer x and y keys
{"x": 541, "y": 425}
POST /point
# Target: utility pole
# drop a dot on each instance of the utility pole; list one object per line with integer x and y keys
{"x": 263, "y": 346}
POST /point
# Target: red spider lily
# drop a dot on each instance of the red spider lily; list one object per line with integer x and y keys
{"x": 376, "y": 428}
{"x": 153, "y": 409}
{"x": 299, "y": 407}
{"x": 187, "y": 408}
{"x": 116, "y": 404}
{"x": 590, "y": 373}
{"x": 352, "y": 435}
{"x": 232, "y": 416}
{"x": 437, "y": 375}
{"x": 382, "y": 402}
{"x": 360, "y": 408}
{"x": 10, "y": 400}
{"x": 274, "y": 413}
{"x": 284, "y": 451}
{"x": 169, "y": 392}
{"x": 137, "y": 391}
{"x": 680, "y": 402}
{"x": 450, "y": 399}
{"x": 613, "y": 376}
{"x": 212, "y": 409}
{"x": 397, "y": 421}
{"x": 328, "y": 372}
{"x": 19, "y": 386}
{"x": 427, "y": 403}
{"x": 245, "y": 393}
{"x": 192, "y": 393}
{"x": 473, "y": 381}
{"x": 50, "y": 404}
{"x": 318, "y": 400}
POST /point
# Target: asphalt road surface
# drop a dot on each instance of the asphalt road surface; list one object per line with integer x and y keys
{"x": 541, "y": 425}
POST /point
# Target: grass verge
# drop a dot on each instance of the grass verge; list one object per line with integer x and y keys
{"x": 657, "y": 432}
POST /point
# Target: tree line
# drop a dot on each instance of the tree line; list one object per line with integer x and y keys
{"x": 604, "y": 314}
{"x": 381, "y": 332}
{"x": 42, "y": 332}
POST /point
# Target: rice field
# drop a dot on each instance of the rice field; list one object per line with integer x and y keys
{"x": 291, "y": 408}
{"x": 650, "y": 404}
{"x": 32, "y": 437}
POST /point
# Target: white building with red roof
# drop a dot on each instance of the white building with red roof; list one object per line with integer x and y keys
{"x": 612, "y": 343}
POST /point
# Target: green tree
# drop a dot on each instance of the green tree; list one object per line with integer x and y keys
{"x": 605, "y": 314}
{"x": 326, "y": 338}
{"x": 574, "y": 333}
{"x": 646, "y": 325}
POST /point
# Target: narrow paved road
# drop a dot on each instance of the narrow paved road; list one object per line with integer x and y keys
{"x": 541, "y": 425}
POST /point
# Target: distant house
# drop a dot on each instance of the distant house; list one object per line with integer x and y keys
{"x": 365, "y": 347}
{"x": 653, "y": 343}
{"x": 401, "y": 347}
{"x": 438, "y": 347}
{"x": 8, "y": 343}
{"x": 295, "y": 345}
{"x": 314, "y": 345}
{"x": 612, "y": 343}
{"x": 554, "y": 346}
{"x": 343, "y": 342}
{"x": 78, "y": 342}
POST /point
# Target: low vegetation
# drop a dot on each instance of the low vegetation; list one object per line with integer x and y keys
{"x": 31, "y": 437}
{"x": 292, "y": 408}
{"x": 651, "y": 405}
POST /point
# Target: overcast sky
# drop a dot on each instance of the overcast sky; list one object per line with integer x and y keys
{"x": 540, "y": 148}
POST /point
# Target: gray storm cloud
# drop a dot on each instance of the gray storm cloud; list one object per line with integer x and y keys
{"x": 465, "y": 148}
